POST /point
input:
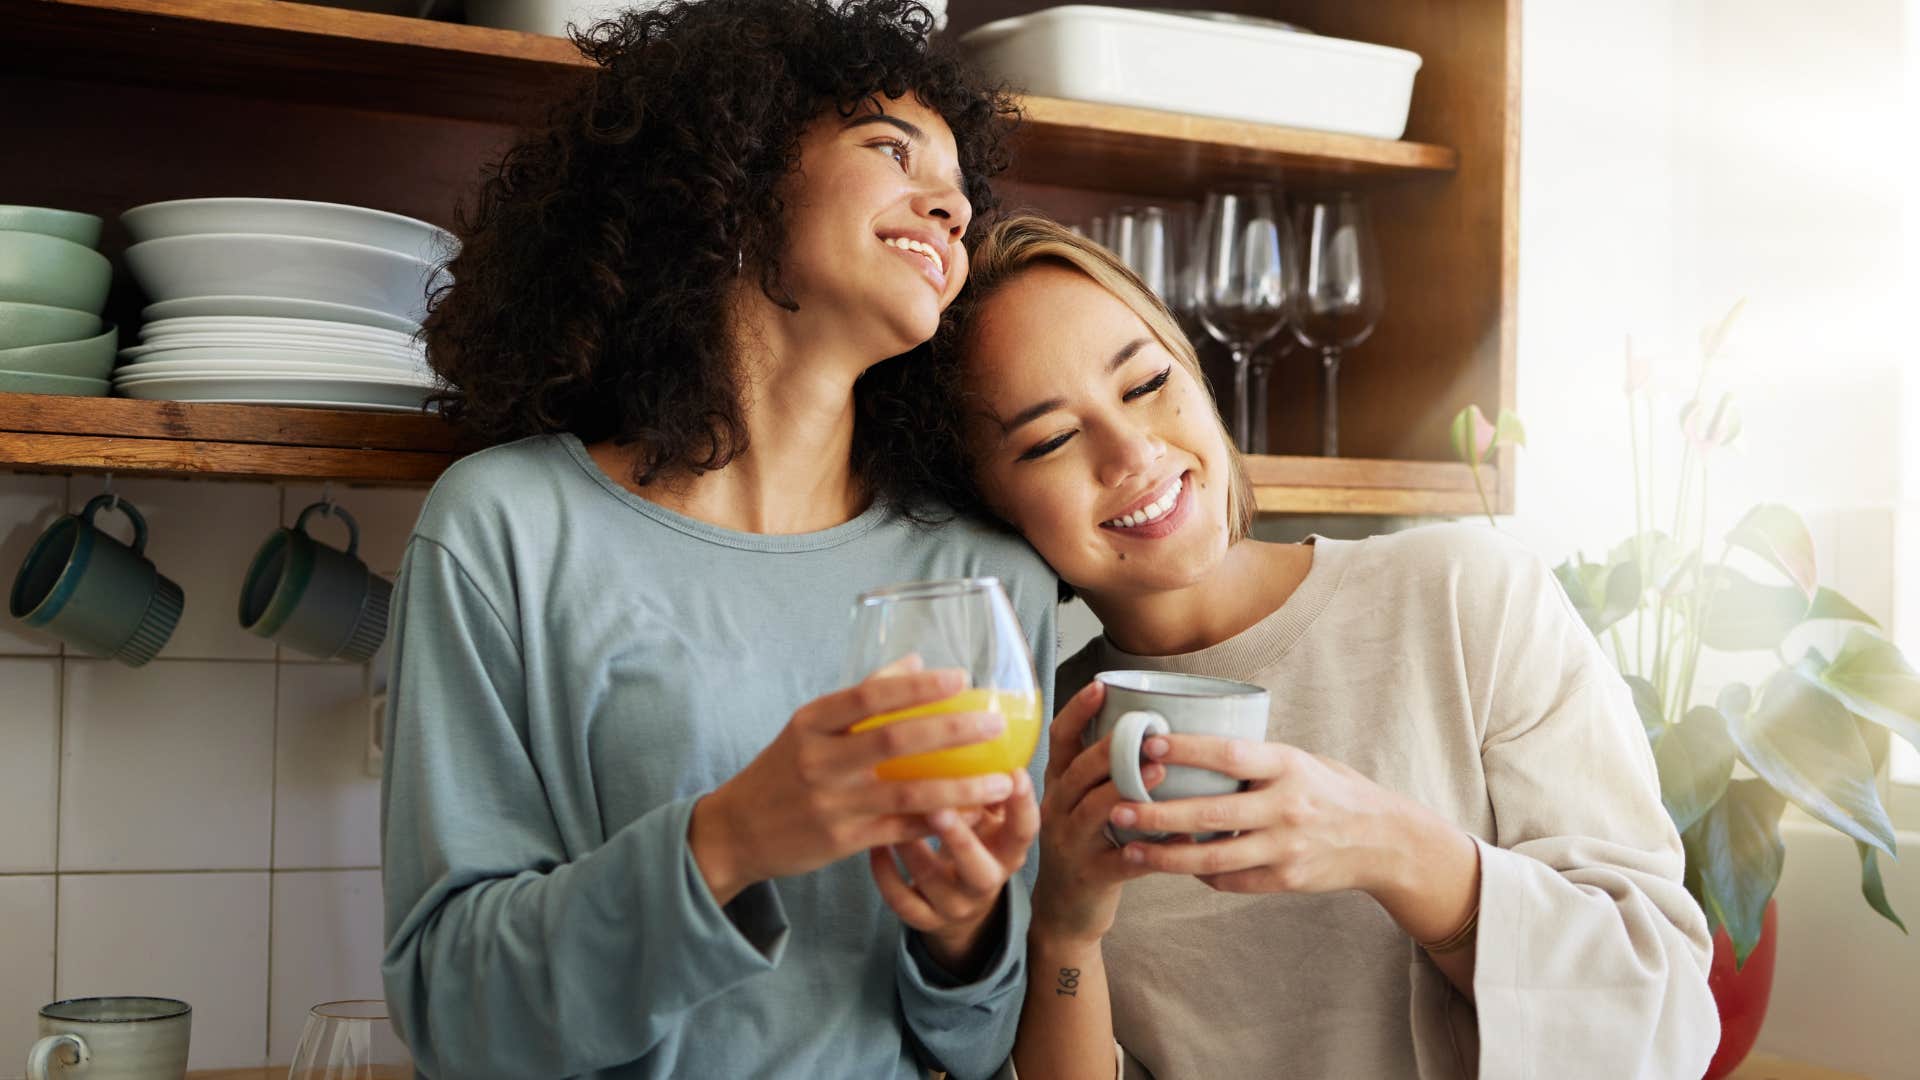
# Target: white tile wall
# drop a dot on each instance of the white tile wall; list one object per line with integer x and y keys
{"x": 28, "y": 504}
{"x": 199, "y": 937}
{"x": 167, "y": 767}
{"x": 155, "y": 803}
{"x": 326, "y": 807}
{"x": 326, "y": 947}
{"x": 26, "y": 964}
{"x": 29, "y": 763}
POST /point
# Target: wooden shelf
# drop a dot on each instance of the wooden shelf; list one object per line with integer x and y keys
{"x": 391, "y": 64}
{"x": 46, "y": 433}
{"x": 1313, "y": 485}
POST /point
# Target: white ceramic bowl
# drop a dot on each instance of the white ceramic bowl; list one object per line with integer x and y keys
{"x": 290, "y": 217}
{"x": 1178, "y": 63}
{"x": 248, "y": 264}
{"x": 552, "y": 16}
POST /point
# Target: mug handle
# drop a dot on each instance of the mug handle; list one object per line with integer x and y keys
{"x": 40, "y": 1058}
{"x": 1123, "y": 757}
{"x": 139, "y": 522}
{"x": 353, "y": 528}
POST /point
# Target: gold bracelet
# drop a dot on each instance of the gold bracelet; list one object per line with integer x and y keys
{"x": 1457, "y": 940}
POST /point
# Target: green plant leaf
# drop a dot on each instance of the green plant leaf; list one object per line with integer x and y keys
{"x": 1712, "y": 339}
{"x": 1622, "y": 593}
{"x": 1646, "y": 702}
{"x": 1803, "y": 741}
{"x": 1471, "y": 435}
{"x": 1828, "y": 604}
{"x": 1745, "y": 615}
{"x": 1737, "y": 849}
{"x": 1666, "y": 560}
{"x": 1734, "y": 700}
{"x": 1508, "y": 431}
{"x": 1873, "y": 680}
{"x": 1873, "y": 888}
{"x": 1777, "y": 534}
{"x": 1695, "y": 759}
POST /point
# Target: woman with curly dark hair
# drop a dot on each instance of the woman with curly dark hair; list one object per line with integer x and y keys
{"x": 622, "y": 799}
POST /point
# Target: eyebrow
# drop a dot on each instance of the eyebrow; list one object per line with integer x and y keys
{"x": 910, "y": 130}
{"x": 1039, "y": 409}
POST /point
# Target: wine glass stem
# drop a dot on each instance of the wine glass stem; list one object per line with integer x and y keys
{"x": 1242, "y": 425}
{"x": 1330, "y": 418}
{"x": 1262, "y": 369}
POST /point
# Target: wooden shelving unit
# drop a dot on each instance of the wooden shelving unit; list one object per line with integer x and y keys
{"x": 118, "y": 102}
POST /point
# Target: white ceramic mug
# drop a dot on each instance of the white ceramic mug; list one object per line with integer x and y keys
{"x": 112, "y": 1038}
{"x": 1143, "y": 703}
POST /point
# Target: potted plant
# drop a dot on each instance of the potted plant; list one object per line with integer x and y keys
{"x": 1810, "y": 729}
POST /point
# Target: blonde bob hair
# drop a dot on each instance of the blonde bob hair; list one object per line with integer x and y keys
{"x": 1021, "y": 241}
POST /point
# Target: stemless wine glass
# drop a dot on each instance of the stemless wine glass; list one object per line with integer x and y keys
{"x": 1341, "y": 295}
{"x": 964, "y": 623}
{"x": 350, "y": 1040}
{"x": 1246, "y": 279}
{"x": 1143, "y": 238}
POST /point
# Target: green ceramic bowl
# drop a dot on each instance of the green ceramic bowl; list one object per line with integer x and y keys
{"x": 37, "y": 324}
{"x": 36, "y": 269}
{"x": 82, "y": 229}
{"x": 34, "y": 382}
{"x": 88, "y": 358}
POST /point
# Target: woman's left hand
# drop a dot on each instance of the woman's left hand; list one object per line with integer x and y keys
{"x": 1306, "y": 824}
{"x": 955, "y": 891}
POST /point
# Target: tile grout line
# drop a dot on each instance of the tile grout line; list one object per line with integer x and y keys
{"x": 273, "y": 816}
{"x": 59, "y": 772}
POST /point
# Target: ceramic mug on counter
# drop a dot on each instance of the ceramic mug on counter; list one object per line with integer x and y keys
{"x": 112, "y": 1038}
{"x": 318, "y": 599}
{"x": 94, "y": 592}
{"x": 1144, "y": 703}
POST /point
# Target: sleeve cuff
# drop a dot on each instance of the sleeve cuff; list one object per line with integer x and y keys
{"x": 921, "y": 973}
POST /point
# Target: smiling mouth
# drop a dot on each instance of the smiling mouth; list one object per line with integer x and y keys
{"x": 1153, "y": 511}
{"x": 901, "y": 243}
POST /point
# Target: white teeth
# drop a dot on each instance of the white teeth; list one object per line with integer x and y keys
{"x": 909, "y": 244}
{"x": 1153, "y": 511}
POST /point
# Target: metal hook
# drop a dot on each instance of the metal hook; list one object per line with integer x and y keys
{"x": 114, "y": 497}
{"x": 326, "y": 498}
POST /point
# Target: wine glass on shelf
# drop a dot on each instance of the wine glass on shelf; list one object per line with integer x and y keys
{"x": 964, "y": 623}
{"x": 350, "y": 1040}
{"x": 1143, "y": 238}
{"x": 1342, "y": 292}
{"x": 1244, "y": 285}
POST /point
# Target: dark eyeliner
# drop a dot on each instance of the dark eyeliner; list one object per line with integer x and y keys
{"x": 1150, "y": 385}
{"x": 1045, "y": 448}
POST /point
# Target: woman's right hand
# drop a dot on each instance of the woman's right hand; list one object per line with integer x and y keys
{"x": 1078, "y": 889}
{"x": 812, "y": 796}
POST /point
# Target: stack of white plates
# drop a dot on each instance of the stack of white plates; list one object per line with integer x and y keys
{"x": 281, "y": 301}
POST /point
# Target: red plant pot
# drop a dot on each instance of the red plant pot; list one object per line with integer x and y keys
{"x": 1741, "y": 995}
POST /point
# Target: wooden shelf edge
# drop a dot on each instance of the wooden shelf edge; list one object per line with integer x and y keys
{"x": 1357, "y": 150}
{"x": 183, "y": 458}
{"x": 52, "y": 414}
{"x": 1308, "y": 485}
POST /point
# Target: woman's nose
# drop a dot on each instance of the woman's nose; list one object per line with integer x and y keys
{"x": 946, "y": 203}
{"x": 1130, "y": 454}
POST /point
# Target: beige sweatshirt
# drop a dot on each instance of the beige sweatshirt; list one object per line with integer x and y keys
{"x": 1444, "y": 663}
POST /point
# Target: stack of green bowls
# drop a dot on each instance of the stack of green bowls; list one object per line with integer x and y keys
{"x": 53, "y": 286}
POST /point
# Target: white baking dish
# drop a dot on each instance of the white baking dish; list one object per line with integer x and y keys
{"x": 1180, "y": 63}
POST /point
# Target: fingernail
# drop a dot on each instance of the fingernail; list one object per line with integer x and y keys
{"x": 999, "y": 786}
{"x": 992, "y": 723}
{"x": 1022, "y": 783}
{"x": 942, "y": 819}
{"x": 1158, "y": 747}
{"x": 1133, "y": 853}
{"x": 1124, "y": 815}
{"x": 952, "y": 680}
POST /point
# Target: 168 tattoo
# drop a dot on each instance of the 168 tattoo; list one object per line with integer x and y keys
{"x": 1069, "y": 982}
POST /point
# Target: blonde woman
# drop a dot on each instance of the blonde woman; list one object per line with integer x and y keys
{"x": 1450, "y": 857}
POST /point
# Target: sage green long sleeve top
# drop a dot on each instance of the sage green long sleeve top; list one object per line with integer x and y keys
{"x": 572, "y": 668}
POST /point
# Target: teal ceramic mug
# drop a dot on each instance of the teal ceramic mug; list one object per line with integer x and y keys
{"x": 112, "y": 1038}
{"x": 94, "y": 592}
{"x": 314, "y": 598}
{"x": 1140, "y": 704}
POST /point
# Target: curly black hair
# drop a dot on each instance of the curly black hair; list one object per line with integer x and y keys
{"x": 590, "y": 291}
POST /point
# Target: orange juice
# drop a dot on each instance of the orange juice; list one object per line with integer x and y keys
{"x": 1009, "y": 750}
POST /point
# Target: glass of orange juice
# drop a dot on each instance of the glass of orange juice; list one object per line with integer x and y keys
{"x": 964, "y": 623}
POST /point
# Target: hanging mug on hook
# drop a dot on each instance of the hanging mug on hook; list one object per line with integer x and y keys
{"x": 94, "y": 592}
{"x": 314, "y": 598}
